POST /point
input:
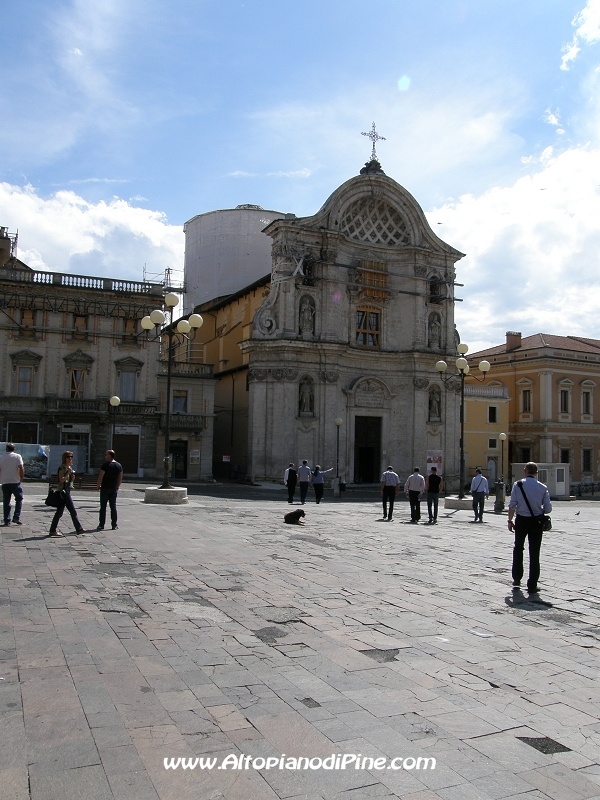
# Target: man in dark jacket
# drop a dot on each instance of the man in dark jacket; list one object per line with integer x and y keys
{"x": 290, "y": 479}
{"x": 109, "y": 481}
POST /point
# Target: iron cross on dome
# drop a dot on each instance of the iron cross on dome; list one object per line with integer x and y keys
{"x": 374, "y": 137}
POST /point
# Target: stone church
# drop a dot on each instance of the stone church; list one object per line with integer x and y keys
{"x": 358, "y": 308}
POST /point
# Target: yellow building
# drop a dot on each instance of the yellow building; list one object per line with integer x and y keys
{"x": 553, "y": 408}
{"x": 486, "y": 417}
{"x": 227, "y": 323}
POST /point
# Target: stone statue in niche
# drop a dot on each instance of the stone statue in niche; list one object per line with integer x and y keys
{"x": 306, "y": 398}
{"x": 435, "y": 404}
{"x": 435, "y": 331}
{"x": 307, "y": 316}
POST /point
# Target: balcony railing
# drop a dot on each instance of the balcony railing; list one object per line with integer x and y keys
{"x": 99, "y": 406}
{"x": 81, "y": 282}
{"x": 485, "y": 391}
{"x": 187, "y": 369}
{"x": 74, "y": 406}
{"x": 184, "y": 422}
{"x": 136, "y": 408}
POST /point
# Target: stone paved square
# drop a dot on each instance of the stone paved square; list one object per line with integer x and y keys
{"x": 214, "y": 630}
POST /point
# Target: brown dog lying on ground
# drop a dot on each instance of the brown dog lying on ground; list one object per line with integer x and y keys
{"x": 293, "y": 518}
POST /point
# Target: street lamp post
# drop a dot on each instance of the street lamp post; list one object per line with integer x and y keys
{"x": 184, "y": 326}
{"x": 338, "y": 423}
{"x": 462, "y": 366}
{"x": 114, "y": 402}
{"x": 500, "y": 485}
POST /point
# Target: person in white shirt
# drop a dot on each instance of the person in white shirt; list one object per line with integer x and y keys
{"x": 480, "y": 491}
{"x": 413, "y": 489}
{"x": 304, "y": 476}
{"x": 12, "y": 473}
{"x": 526, "y": 525}
{"x": 390, "y": 483}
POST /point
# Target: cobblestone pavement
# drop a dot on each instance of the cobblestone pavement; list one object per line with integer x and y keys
{"x": 214, "y": 629}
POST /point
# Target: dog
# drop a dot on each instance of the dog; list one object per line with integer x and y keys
{"x": 293, "y": 518}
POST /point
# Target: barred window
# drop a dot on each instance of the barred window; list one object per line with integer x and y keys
{"x": 373, "y": 279}
{"x": 367, "y": 327}
{"x": 526, "y": 401}
{"x": 77, "y": 383}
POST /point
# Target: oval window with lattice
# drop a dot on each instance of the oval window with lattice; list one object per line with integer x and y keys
{"x": 373, "y": 220}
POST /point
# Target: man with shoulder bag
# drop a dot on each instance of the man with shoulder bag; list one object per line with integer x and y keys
{"x": 530, "y": 501}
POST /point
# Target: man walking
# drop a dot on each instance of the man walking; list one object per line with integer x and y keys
{"x": 433, "y": 486}
{"x": 304, "y": 480}
{"x": 290, "y": 477}
{"x": 413, "y": 489}
{"x": 109, "y": 481}
{"x": 390, "y": 483}
{"x": 304, "y": 475}
{"x": 528, "y": 496}
{"x": 12, "y": 473}
{"x": 480, "y": 491}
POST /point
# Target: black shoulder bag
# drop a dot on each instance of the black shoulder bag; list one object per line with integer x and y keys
{"x": 543, "y": 520}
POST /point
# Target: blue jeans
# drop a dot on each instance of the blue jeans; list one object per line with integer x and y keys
{"x": 303, "y": 490}
{"x": 432, "y": 505}
{"x": 8, "y": 490}
{"x": 108, "y": 496}
{"x": 68, "y": 504}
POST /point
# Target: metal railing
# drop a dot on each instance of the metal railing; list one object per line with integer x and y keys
{"x": 184, "y": 422}
{"x": 74, "y": 406}
{"x": 585, "y": 488}
{"x": 190, "y": 368}
{"x": 485, "y": 391}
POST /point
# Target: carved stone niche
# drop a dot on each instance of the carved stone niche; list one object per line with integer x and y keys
{"x": 78, "y": 360}
{"x": 306, "y": 397}
{"x": 435, "y": 404}
{"x": 306, "y": 316}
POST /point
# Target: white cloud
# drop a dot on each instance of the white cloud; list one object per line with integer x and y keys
{"x": 65, "y": 233}
{"x": 240, "y": 173}
{"x": 296, "y": 173}
{"x": 532, "y": 251}
{"x": 100, "y": 180}
{"x": 587, "y": 31}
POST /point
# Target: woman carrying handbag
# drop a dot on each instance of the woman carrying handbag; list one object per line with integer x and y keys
{"x": 66, "y": 476}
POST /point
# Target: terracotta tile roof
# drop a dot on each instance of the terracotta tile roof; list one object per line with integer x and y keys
{"x": 540, "y": 340}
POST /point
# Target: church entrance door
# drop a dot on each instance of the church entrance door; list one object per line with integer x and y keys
{"x": 367, "y": 449}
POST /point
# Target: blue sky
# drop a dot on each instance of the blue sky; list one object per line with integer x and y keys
{"x": 123, "y": 119}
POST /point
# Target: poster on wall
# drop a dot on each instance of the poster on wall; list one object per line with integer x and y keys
{"x": 434, "y": 459}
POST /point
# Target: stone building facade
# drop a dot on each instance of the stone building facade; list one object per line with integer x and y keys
{"x": 67, "y": 344}
{"x": 358, "y": 308}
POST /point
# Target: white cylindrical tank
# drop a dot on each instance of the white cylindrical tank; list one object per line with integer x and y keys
{"x": 225, "y": 251}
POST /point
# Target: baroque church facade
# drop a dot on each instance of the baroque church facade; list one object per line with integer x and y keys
{"x": 358, "y": 308}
